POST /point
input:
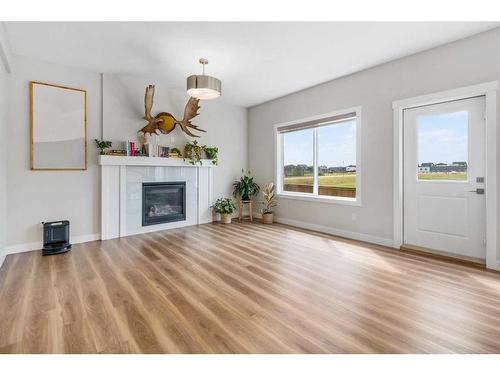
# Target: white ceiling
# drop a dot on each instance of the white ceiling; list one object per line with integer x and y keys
{"x": 256, "y": 62}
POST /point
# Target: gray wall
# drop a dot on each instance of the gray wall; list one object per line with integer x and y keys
{"x": 225, "y": 125}
{"x": 470, "y": 61}
{"x": 35, "y": 196}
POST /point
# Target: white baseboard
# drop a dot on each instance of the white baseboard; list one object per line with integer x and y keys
{"x": 334, "y": 231}
{"x": 23, "y": 247}
{"x": 19, "y": 248}
{"x": 495, "y": 265}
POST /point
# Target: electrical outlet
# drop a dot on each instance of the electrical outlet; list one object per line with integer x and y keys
{"x": 353, "y": 217}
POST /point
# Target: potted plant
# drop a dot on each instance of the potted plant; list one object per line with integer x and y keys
{"x": 193, "y": 152}
{"x": 225, "y": 207}
{"x": 212, "y": 153}
{"x": 175, "y": 152}
{"x": 103, "y": 145}
{"x": 245, "y": 188}
{"x": 269, "y": 195}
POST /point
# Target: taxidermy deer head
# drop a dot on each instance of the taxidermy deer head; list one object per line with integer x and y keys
{"x": 164, "y": 122}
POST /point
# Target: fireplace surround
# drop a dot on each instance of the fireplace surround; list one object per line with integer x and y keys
{"x": 122, "y": 179}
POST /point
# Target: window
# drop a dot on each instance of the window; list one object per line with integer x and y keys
{"x": 298, "y": 165}
{"x": 443, "y": 147}
{"x": 319, "y": 159}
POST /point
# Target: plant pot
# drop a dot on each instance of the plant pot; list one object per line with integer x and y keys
{"x": 225, "y": 218}
{"x": 267, "y": 218}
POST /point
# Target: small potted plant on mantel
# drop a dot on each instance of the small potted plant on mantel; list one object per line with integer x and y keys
{"x": 102, "y": 145}
{"x": 225, "y": 207}
{"x": 269, "y": 195}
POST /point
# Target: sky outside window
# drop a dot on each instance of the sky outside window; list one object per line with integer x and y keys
{"x": 442, "y": 138}
{"x": 298, "y": 147}
{"x": 336, "y": 145}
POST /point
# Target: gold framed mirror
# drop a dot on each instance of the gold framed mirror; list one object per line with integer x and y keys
{"x": 58, "y": 127}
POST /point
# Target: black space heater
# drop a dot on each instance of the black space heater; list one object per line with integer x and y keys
{"x": 56, "y": 237}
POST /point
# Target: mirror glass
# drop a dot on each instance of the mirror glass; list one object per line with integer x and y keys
{"x": 58, "y": 127}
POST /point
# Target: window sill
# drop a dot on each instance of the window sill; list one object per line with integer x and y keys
{"x": 323, "y": 199}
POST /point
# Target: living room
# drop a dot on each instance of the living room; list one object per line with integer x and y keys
{"x": 185, "y": 187}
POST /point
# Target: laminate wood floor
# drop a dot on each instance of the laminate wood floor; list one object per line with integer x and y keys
{"x": 244, "y": 288}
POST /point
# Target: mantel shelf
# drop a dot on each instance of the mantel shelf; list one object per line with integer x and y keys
{"x": 145, "y": 161}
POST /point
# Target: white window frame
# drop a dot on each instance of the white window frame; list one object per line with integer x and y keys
{"x": 278, "y": 161}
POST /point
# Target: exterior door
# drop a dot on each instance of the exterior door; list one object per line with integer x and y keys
{"x": 444, "y": 168}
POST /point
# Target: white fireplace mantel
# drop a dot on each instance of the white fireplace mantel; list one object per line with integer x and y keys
{"x": 121, "y": 192}
{"x": 145, "y": 161}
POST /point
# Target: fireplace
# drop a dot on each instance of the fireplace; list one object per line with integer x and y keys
{"x": 163, "y": 202}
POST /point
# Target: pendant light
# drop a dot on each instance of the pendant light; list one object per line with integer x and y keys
{"x": 202, "y": 86}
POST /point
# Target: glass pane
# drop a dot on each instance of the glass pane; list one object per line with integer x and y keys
{"x": 442, "y": 146}
{"x": 298, "y": 167}
{"x": 337, "y": 159}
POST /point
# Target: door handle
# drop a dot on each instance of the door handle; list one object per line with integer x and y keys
{"x": 477, "y": 191}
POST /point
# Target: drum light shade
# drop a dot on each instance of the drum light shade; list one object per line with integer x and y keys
{"x": 202, "y": 86}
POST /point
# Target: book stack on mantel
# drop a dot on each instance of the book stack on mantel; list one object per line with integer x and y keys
{"x": 147, "y": 149}
{"x": 117, "y": 153}
{"x": 130, "y": 148}
{"x": 174, "y": 154}
{"x": 155, "y": 150}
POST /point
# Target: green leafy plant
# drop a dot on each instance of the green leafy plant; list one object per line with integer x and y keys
{"x": 224, "y": 206}
{"x": 193, "y": 153}
{"x": 212, "y": 153}
{"x": 269, "y": 195}
{"x": 245, "y": 188}
{"x": 103, "y": 145}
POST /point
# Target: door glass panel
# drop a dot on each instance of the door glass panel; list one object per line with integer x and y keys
{"x": 337, "y": 159}
{"x": 298, "y": 165}
{"x": 442, "y": 146}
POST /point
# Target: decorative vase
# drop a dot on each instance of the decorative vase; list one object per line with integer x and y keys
{"x": 267, "y": 218}
{"x": 225, "y": 218}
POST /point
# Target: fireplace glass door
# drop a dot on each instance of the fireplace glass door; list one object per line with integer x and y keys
{"x": 163, "y": 202}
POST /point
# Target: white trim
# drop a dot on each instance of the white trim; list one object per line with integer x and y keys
{"x": 210, "y": 186}
{"x": 278, "y": 160}
{"x": 145, "y": 161}
{"x": 198, "y": 196}
{"x": 122, "y": 206}
{"x": 5, "y": 50}
{"x": 398, "y": 178}
{"x": 492, "y": 257}
{"x": 487, "y": 89}
{"x": 448, "y": 95}
{"x": 333, "y": 231}
{"x": 315, "y": 163}
{"x": 321, "y": 198}
{"x": 24, "y": 247}
{"x": 495, "y": 265}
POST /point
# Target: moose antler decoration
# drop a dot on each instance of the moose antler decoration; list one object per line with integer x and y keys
{"x": 164, "y": 122}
